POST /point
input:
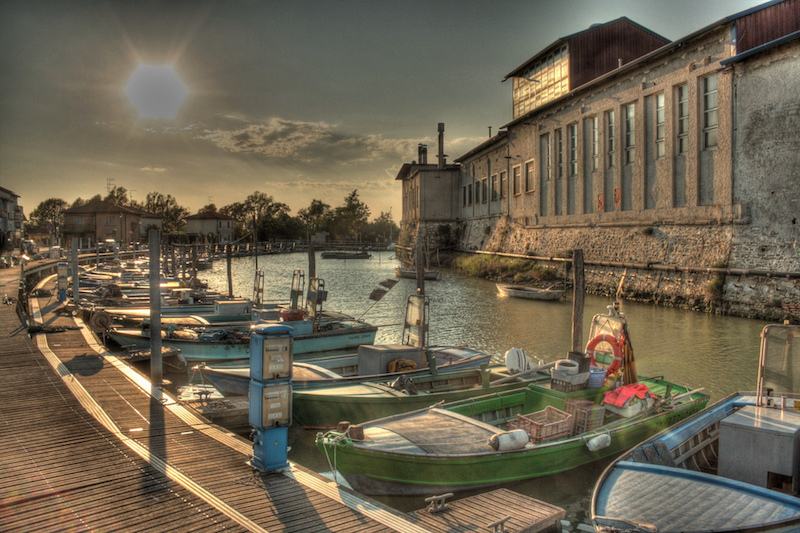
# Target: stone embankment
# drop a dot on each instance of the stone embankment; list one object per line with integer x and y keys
{"x": 724, "y": 269}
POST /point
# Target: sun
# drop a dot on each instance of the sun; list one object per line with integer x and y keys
{"x": 156, "y": 91}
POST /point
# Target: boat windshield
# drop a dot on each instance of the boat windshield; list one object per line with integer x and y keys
{"x": 779, "y": 365}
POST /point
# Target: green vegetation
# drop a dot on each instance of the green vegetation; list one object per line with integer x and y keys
{"x": 504, "y": 269}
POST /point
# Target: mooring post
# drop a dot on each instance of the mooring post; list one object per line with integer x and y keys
{"x": 156, "y": 363}
{"x": 230, "y": 279}
{"x": 578, "y": 293}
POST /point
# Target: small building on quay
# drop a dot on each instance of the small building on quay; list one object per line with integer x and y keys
{"x": 210, "y": 226}
{"x": 672, "y": 165}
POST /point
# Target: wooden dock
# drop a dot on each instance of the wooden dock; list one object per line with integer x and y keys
{"x": 88, "y": 444}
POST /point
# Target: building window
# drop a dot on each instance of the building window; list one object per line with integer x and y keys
{"x": 468, "y": 195}
{"x": 572, "y": 133}
{"x": 494, "y": 187}
{"x": 682, "y": 93}
{"x": 78, "y": 221}
{"x": 516, "y": 171}
{"x": 111, "y": 220}
{"x": 595, "y": 143}
{"x": 610, "y": 132}
{"x": 484, "y": 189}
{"x": 710, "y": 111}
{"x": 503, "y": 184}
{"x": 661, "y": 127}
{"x": 544, "y": 174}
{"x": 477, "y": 191}
{"x": 559, "y": 154}
{"x": 630, "y": 134}
{"x": 529, "y": 166}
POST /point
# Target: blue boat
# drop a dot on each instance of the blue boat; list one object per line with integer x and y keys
{"x": 232, "y": 344}
{"x": 734, "y": 466}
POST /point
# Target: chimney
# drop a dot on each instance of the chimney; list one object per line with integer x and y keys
{"x": 422, "y": 154}
{"x": 441, "y": 145}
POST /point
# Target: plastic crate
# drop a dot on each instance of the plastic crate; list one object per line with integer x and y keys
{"x": 568, "y": 382}
{"x": 544, "y": 426}
{"x": 586, "y": 415}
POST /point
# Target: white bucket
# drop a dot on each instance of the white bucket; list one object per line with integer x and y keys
{"x": 566, "y": 366}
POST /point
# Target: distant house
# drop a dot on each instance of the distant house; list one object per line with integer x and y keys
{"x": 11, "y": 217}
{"x": 100, "y": 220}
{"x": 210, "y": 226}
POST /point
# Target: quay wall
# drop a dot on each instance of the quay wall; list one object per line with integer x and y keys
{"x": 731, "y": 269}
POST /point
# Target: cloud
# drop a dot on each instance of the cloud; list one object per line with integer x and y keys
{"x": 148, "y": 168}
{"x": 310, "y": 142}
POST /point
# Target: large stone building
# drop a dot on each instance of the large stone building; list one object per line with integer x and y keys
{"x": 662, "y": 158}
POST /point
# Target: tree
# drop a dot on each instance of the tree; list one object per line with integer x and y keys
{"x": 210, "y": 208}
{"x": 314, "y": 215}
{"x": 382, "y": 228}
{"x": 347, "y": 220}
{"x": 118, "y": 196}
{"x": 172, "y": 214}
{"x": 50, "y": 214}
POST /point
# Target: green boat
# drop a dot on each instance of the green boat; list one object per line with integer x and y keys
{"x": 476, "y": 443}
{"x": 326, "y": 406}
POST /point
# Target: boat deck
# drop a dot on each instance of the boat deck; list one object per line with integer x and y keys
{"x": 89, "y": 445}
{"x": 454, "y": 434}
{"x": 683, "y": 500}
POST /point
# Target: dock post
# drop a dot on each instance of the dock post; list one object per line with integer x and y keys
{"x": 76, "y": 278}
{"x": 156, "y": 363}
{"x": 578, "y": 294}
{"x": 230, "y": 279}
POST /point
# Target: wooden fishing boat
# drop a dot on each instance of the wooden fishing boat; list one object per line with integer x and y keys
{"x": 327, "y": 405}
{"x": 514, "y": 435}
{"x": 372, "y": 363}
{"x": 411, "y": 273}
{"x": 469, "y": 444}
{"x": 233, "y": 344}
{"x": 733, "y": 467}
{"x": 531, "y": 293}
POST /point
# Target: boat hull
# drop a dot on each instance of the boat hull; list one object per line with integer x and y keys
{"x": 206, "y": 351}
{"x": 529, "y": 293}
{"x": 393, "y": 471}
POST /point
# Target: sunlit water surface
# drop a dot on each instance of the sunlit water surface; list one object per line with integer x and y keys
{"x": 719, "y": 354}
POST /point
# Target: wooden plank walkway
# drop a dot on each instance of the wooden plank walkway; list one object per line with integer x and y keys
{"x": 88, "y": 445}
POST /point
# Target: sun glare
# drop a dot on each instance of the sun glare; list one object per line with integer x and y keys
{"x": 156, "y": 91}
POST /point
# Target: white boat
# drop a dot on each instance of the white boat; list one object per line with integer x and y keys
{"x": 531, "y": 293}
{"x": 411, "y": 273}
{"x": 734, "y": 466}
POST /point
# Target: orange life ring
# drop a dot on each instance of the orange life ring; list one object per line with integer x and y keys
{"x": 612, "y": 340}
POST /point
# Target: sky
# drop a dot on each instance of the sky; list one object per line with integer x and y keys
{"x": 298, "y": 99}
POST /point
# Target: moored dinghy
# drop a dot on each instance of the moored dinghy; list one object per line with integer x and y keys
{"x": 733, "y": 467}
{"x": 530, "y": 293}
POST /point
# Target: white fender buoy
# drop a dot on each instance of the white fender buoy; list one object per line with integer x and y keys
{"x": 599, "y": 442}
{"x": 509, "y": 440}
{"x": 517, "y": 361}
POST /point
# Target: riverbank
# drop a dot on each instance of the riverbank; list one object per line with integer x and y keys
{"x": 710, "y": 269}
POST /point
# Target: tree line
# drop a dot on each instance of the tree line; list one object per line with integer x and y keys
{"x": 271, "y": 219}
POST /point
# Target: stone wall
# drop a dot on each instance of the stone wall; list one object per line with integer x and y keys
{"x": 665, "y": 264}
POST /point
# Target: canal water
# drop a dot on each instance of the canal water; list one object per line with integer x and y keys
{"x": 719, "y": 354}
